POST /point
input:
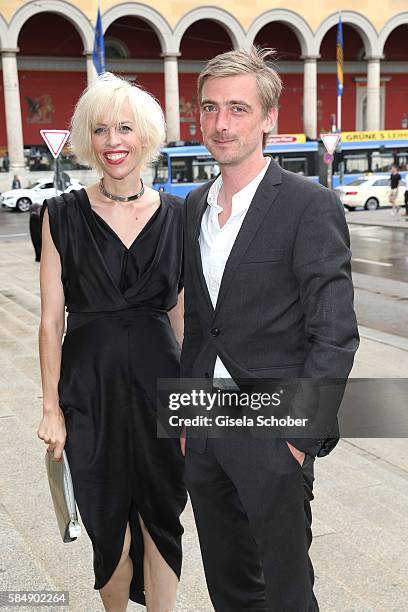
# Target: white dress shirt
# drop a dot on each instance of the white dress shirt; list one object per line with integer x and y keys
{"x": 216, "y": 242}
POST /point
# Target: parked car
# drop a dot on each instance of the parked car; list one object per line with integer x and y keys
{"x": 21, "y": 199}
{"x": 369, "y": 192}
{"x": 34, "y": 224}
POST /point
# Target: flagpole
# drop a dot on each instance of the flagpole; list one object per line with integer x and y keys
{"x": 340, "y": 74}
{"x": 339, "y": 113}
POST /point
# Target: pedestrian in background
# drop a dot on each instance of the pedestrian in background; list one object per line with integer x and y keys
{"x": 406, "y": 192}
{"x": 16, "y": 184}
{"x": 394, "y": 182}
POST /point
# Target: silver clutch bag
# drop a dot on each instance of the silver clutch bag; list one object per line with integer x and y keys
{"x": 62, "y": 493}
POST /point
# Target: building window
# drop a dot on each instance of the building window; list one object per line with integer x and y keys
{"x": 361, "y": 108}
{"x": 115, "y": 49}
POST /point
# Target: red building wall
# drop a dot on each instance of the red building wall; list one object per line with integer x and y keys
{"x": 291, "y": 104}
{"x": 396, "y": 100}
{"x": 47, "y": 101}
{"x": 327, "y": 101}
{"x": 56, "y": 111}
{"x": 189, "y": 108}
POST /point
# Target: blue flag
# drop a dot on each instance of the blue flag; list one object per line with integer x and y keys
{"x": 339, "y": 57}
{"x": 98, "y": 54}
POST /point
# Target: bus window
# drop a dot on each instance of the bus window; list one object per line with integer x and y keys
{"x": 181, "y": 170}
{"x": 355, "y": 163}
{"x": 203, "y": 170}
{"x": 295, "y": 164}
{"x": 381, "y": 162}
{"x": 402, "y": 160}
{"x": 161, "y": 170}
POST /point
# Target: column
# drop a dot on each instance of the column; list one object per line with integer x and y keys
{"x": 310, "y": 96}
{"x": 14, "y": 126}
{"x": 90, "y": 67}
{"x": 172, "y": 101}
{"x": 373, "y": 93}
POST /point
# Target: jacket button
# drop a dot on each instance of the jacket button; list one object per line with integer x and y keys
{"x": 207, "y": 375}
{"x": 215, "y": 332}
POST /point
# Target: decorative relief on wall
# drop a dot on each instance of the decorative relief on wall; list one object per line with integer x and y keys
{"x": 188, "y": 109}
{"x": 39, "y": 109}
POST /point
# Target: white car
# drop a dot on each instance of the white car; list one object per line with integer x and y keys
{"x": 21, "y": 199}
{"x": 369, "y": 192}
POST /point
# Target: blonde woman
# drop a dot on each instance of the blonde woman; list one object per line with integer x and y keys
{"x": 112, "y": 256}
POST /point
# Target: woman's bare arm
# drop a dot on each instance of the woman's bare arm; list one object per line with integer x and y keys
{"x": 52, "y": 426}
{"x": 176, "y": 316}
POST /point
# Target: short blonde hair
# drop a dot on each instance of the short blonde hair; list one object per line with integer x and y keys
{"x": 105, "y": 97}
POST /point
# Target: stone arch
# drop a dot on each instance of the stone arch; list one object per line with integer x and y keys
{"x": 62, "y": 8}
{"x": 223, "y": 18}
{"x": 363, "y": 26}
{"x": 152, "y": 17}
{"x": 4, "y": 34}
{"x": 389, "y": 27}
{"x": 299, "y": 26}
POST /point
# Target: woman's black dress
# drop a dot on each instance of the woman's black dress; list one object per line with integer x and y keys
{"x": 118, "y": 342}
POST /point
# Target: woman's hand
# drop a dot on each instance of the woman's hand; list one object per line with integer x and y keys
{"x": 52, "y": 431}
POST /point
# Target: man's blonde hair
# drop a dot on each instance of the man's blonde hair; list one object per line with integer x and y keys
{"x": 242, "y": 61}
{"x": 105, "y": 97}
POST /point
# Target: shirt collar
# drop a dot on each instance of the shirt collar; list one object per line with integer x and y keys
{"x": 240, "y": 200}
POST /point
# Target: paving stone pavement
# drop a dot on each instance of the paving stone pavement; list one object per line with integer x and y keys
{"x": 360, "y": 547}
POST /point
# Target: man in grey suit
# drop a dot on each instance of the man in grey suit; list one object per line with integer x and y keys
{"x": 268, "y": 294}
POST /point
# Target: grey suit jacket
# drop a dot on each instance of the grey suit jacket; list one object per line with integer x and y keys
{"x": 285, "y": 305}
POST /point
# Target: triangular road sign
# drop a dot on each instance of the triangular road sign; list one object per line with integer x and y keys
{"x": 330, "y": 141}
{"x": 55, "y": 140}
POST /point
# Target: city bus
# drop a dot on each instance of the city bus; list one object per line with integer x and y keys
{"x": 183, "y": 166}
{"x": 366, "y": 153}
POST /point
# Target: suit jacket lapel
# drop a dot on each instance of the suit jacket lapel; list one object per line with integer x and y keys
{"x": 199, "y": 212}
{"x": 261, "y": 203}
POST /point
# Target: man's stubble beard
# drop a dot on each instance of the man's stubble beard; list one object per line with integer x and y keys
{"x": 225, "y": 158}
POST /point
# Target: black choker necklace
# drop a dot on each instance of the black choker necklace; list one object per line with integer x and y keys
{"x": 119, "y": 198}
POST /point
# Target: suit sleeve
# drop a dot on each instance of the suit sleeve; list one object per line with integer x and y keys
{"x": 322, "y": 265}
{"x": 192, "y": 328}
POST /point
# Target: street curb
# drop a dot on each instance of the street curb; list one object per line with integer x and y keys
{"x": 383, "y": 338}
{"x": 357, "y": 218}
{"x": 371, "y": 224}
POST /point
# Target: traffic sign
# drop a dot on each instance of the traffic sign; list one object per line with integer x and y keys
{"x": 331, "y": 141}
{"x": 328, "y": 158}
{"x": 55, "y": 140}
